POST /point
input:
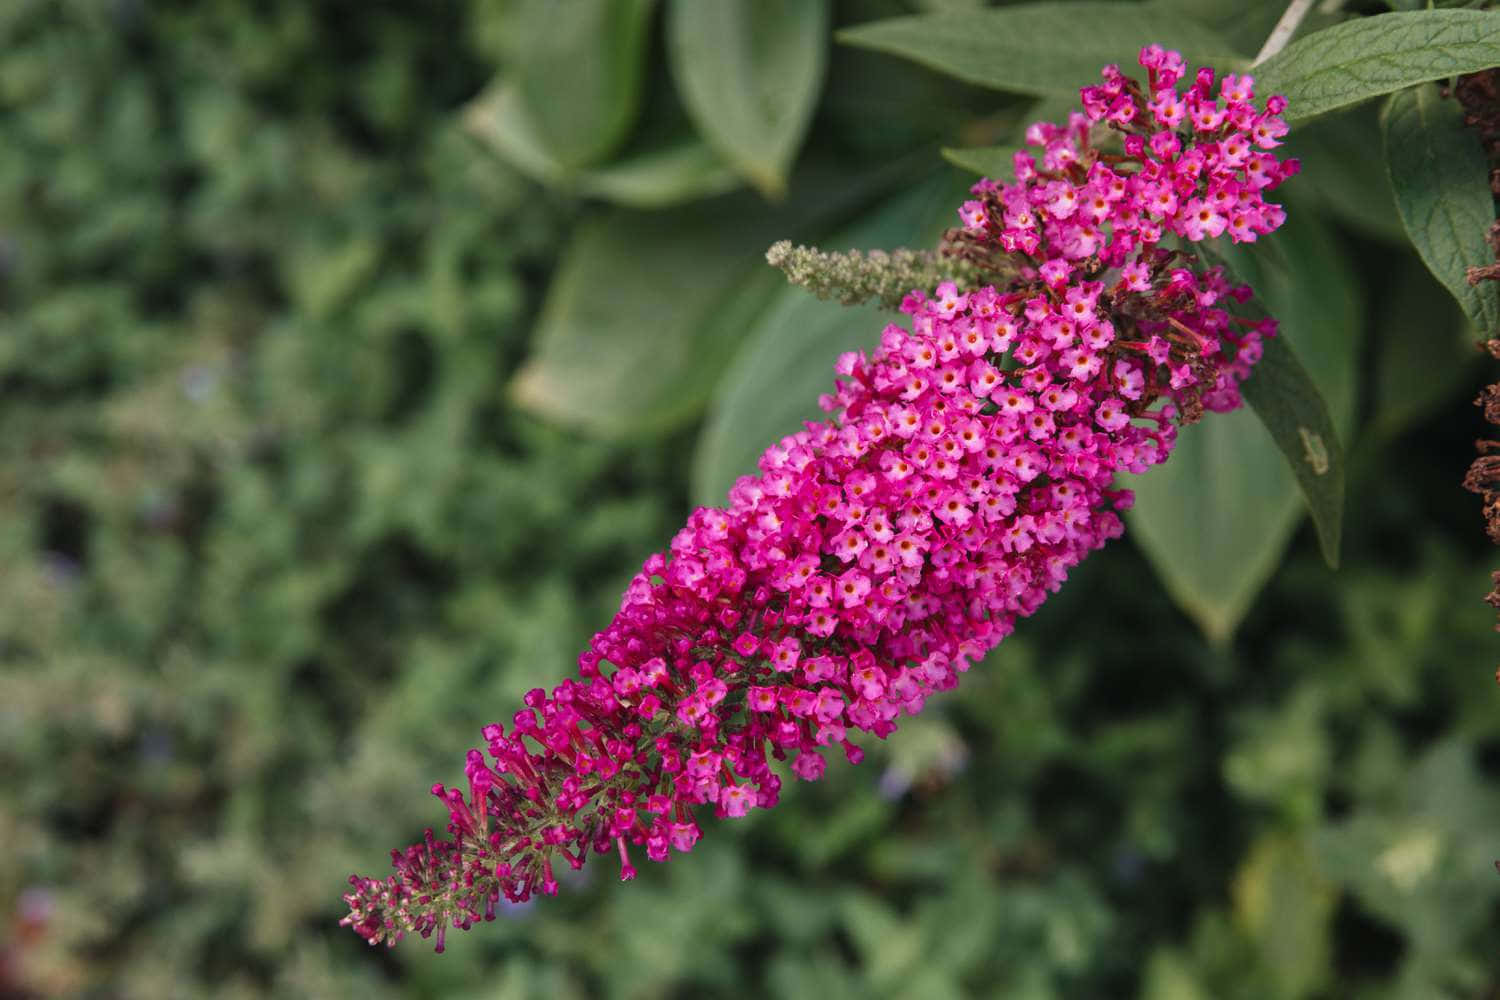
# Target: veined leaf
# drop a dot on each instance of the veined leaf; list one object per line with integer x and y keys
{"x": 749, "y": 72}
{"x": 1041, "y": 48}
{"x": 1441, "y": 179}
{"x": 1369, "y": 56}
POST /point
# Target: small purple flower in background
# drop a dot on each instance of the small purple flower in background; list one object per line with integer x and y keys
{"x": 967, "y": 465}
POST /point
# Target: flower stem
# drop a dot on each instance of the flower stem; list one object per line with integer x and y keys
{"x": 1284, "y": 30}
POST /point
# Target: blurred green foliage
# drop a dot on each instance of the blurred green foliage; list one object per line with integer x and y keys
{"x": 278, "y": 538}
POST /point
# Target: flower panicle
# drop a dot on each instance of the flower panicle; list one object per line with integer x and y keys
{"x": 966, "y": 465}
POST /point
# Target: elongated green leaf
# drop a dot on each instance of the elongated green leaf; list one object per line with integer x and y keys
{"x": 1288, "y": 403}
{"x": 773, "y": 383}
{"x": 1042, "y": 48}
{"x": 1441, "y": 179}
{"x": 1369, "y": 56}
{"x": 749, "y": 72}
{"x": 1214, "y": 519}
{"x": 647, "y": 307}
{"x": 580, "y": 72}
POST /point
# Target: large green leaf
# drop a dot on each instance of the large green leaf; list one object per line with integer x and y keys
{"x": 1441, "y": 179}
{"x": 786, "y": 361}
{"x": 749, "y": 72}
{"x": 1289, "y": 404}
{"x": 579, "y": 73}
{"x": 1042, "y": 48}
{"x": 1214, "y": 519}
{"x": 647, "y": 307}
{"x": 1369, "y": 56}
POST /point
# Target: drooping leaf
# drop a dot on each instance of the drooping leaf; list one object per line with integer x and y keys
{"x": 1287, "y": 401}
{"x": 647, "y": 307}
{"x": 1368, "y": 56}
{"x": 1441, "y": 179}
{"x": 1040, "y": 48}
{"x": 1214, "y": 518}
{"x": 749, "y": 72}
{"x": 786, "y": 361}
{"x": 579, "y": 73}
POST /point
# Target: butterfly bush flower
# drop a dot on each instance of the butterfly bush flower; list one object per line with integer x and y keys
{"x": 966, "y": 466}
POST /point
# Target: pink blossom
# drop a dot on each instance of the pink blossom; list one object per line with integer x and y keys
{"x": 878, "y": 553}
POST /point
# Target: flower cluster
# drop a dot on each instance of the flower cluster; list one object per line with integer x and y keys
{"x": 1190, "y": 166}
{"x": 967, "y": 465}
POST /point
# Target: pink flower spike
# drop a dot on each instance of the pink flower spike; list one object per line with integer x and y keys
{"x": 966, "y": 464}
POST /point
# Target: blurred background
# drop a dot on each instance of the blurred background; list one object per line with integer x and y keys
{"x": 354, "y": 355}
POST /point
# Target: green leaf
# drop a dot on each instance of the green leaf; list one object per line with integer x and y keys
{"x": 749, "y": 72}
{"x": 1441, "y": 179}
{"x": 580, "y": 72}
{"x": 1369, "y": 56}
{"x": 1215, "y": 517}
{"x": 1287, "y": 401}
{"x": 647, "y": 307}
{"x": 786, "y": 361}
{"x": 1042, "y": 48}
